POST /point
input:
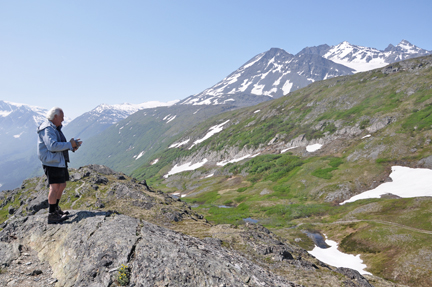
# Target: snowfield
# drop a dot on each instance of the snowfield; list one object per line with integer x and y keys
{"x": 334, "y": 257}
{"x": 179, "y": 143}
{"x": 212, "y": 131}
{"x": 313, "y": 147}
{"x": 407, "y": 182}
{"x": 185, "y": 167}
{"x": 225, "y": 162}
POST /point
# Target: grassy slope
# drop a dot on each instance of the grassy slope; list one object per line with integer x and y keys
{"x": 143, "y": 133}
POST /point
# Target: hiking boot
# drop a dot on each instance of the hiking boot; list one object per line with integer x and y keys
{"x": 55, "y": 217}
{"x": 61, "y": 212}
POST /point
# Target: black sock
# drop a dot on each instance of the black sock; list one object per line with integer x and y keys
{"x": 52, "y": 208}
{"x": 57, "y": 204}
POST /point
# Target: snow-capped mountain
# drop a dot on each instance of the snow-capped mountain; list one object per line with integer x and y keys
{"x": 268, "y": 75}
{"x": 13, "y": 113}
{"x": 363, "y": 59}
{"x": 114, "y": 113}
{"x": 103, "y": 116}
{"x": 18, "y": 123}
{"x": 276, "y": 72}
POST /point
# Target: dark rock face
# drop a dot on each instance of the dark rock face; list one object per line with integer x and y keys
{"x": 11, "y": 210}
{"x": 353, "y": 274}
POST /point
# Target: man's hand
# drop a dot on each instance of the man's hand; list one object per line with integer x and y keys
{"x": 76, "y": 143}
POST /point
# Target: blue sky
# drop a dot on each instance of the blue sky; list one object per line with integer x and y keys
{"x": 79, "y": 54}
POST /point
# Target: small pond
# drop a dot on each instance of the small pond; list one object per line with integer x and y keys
{"x": 250, "y": 220}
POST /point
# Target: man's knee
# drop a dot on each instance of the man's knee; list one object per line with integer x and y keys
{"x": 57, "y": 187}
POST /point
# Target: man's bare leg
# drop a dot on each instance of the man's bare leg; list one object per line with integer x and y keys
{"x": 55, "y": 192}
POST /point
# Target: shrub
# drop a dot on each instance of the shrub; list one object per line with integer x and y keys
{"x": 241, "y": 189}
{"x": 325, "y": 173}
{"x": 123, "y": 275}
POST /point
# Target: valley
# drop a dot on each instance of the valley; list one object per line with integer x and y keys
{"x": 304, "y": 154}
{"x": 255, "y": 180}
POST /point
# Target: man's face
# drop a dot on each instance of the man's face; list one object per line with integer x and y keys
{"x": 58, "y": 119}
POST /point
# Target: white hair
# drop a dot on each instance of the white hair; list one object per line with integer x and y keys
{"x": 54, "y": 111}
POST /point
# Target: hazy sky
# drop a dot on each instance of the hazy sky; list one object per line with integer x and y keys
{"x": 79, "y": 54}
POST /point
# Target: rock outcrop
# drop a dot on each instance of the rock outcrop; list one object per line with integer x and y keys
{"x": 86, "y": 249}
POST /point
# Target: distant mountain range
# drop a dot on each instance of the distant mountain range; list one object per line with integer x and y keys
{"x": 103, "y": 116}
{"x": 266, "y": 76}
{"x": 18, "y": 124}
{"x": 276, "y": 72}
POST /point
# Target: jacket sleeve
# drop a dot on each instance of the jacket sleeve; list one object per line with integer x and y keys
{"x": 49, "y": 137}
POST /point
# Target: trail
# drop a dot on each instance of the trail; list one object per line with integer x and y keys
{"x": 385, "y": 222}
{"x": 77, "y": 190}
{"x": 376, "y": 221}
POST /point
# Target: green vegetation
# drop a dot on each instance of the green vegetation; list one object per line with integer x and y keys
{"x": 419, "y": 120}
{"x": 325, "y": 173}
{"x": 241, "y": 189}
{"x": 295, "y": 211}
{"x": 123, "y": 277}
{"x": 268, "y": 167}
{"x": 204, "y": 198}
{"x": 3, "y": 214}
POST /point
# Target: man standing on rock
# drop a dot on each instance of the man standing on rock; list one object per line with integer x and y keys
{"x": 53, "y": 153}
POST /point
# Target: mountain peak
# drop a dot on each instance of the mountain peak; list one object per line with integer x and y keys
{"x": 274, "y": 52}
{"x": 344, "y": 45}
{"x": 404, "y": 42}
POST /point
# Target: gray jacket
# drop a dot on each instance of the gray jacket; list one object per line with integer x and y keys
{"x": 50, "y": 146}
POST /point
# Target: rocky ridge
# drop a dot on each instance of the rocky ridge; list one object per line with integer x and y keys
{"x": 91, "y": 246}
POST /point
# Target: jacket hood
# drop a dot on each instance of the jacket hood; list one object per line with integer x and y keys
{"x": 45, "y": 124}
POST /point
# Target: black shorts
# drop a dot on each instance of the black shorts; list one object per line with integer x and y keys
{"x": 56, "y": 174}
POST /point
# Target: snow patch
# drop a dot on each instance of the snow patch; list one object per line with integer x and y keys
{"x": 154, "y": 161}
{"x": 225, "y": 162}
{"x": 334, "y": 257}
{"x": 18, "y": 135}
{"x": 185, "y": 167}
{"x": 287, "y": 149}
{"x": 257, "y": 111}
{"x": 171, "y": 118}
{"x": 313, "y": 147}
{"x": 140, "y": 155}
{"x": 257, "y": 90}
{"x": 5, "y": 113}
{"x": 287, "y": 87}
{"x": 258, "y": 57}
{"x": 366, "y": 136}
{"x": 212, "y": 131}
{"x": 179, "y": 143}
{"x": 407, "y": 182}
